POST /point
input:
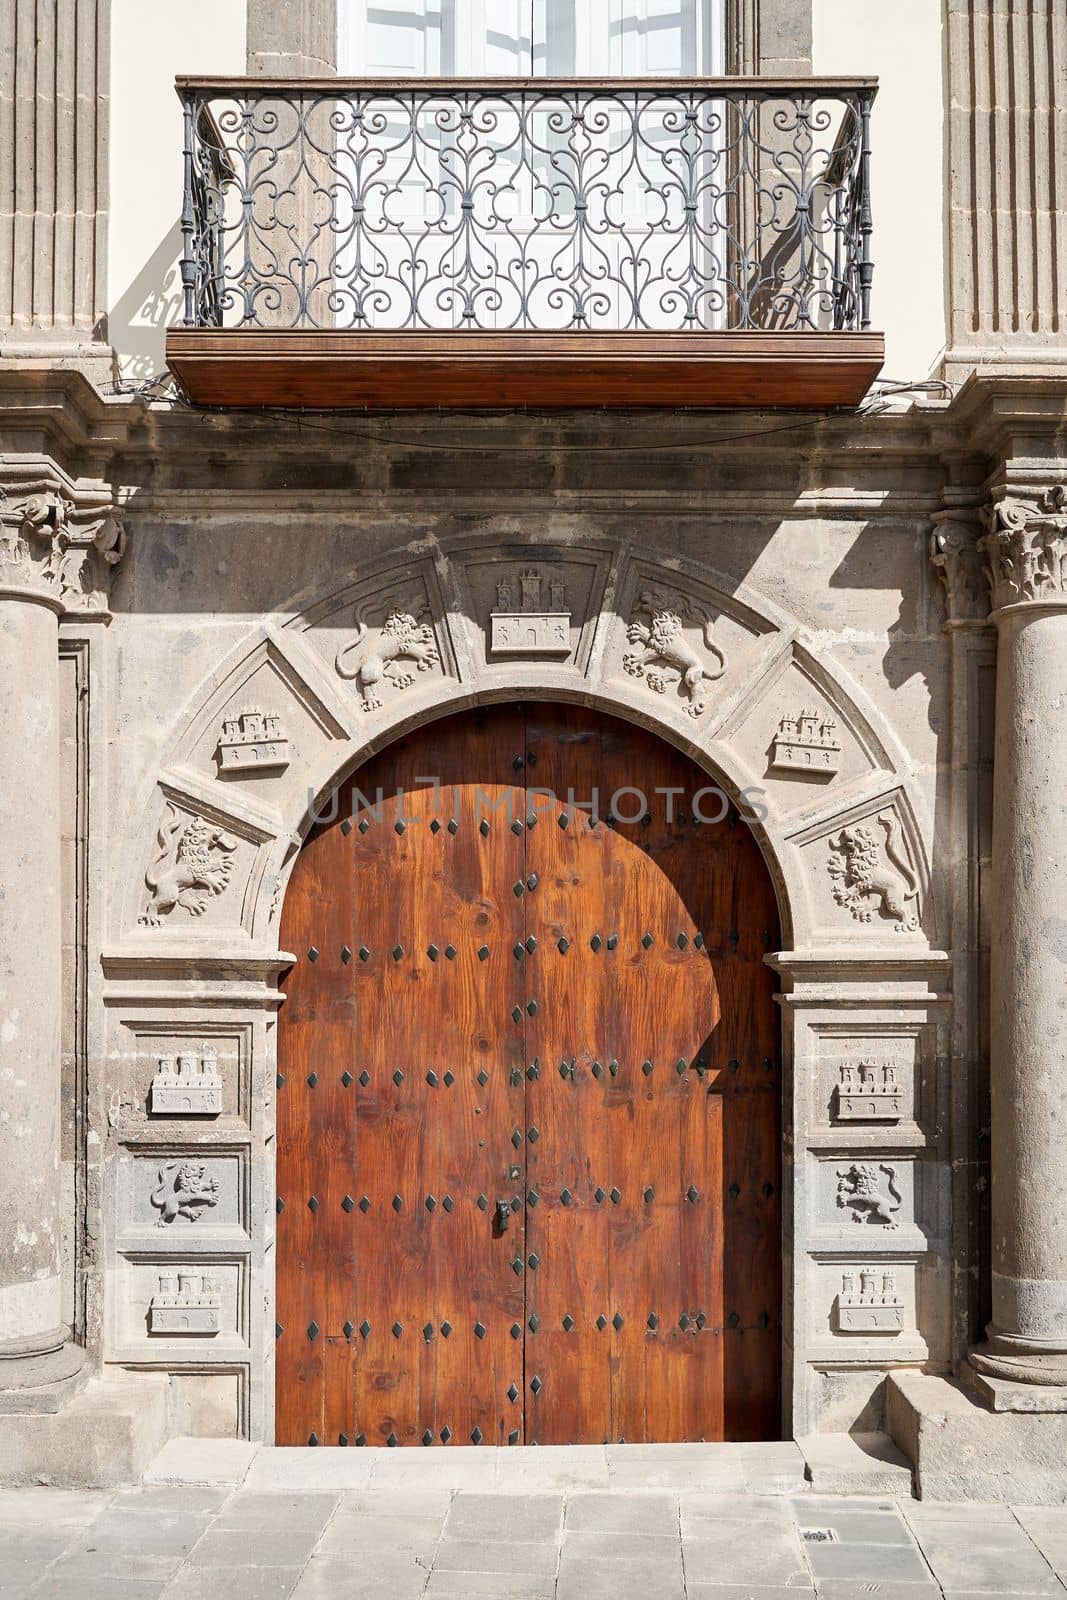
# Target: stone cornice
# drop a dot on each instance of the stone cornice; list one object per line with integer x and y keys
{"x": 59, "y": 543}
{"x": 1025, "y": 548}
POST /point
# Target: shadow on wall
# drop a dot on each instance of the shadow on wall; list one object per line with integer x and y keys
{"x": 139, "y": 319}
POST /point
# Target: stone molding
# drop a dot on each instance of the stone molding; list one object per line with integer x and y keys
{"x": 1025, "y": 549}
{"x": 59, "y": 546}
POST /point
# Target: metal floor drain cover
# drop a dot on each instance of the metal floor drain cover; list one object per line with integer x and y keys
{"x": 819, "y": 1535}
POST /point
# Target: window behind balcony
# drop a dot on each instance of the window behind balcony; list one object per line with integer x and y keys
{"x": 530, "y": 38}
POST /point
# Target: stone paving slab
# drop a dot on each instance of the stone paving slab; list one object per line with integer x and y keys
{"x": 399, "y": 1542}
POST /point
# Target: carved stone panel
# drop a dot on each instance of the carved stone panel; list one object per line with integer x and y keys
{"x": 865, "y": 1193}
{"x": 381, "y": 645}
{"x": 869, "y": 1091}
{"x": 865, "y": 872}
{"x": 188, "y": 1084}
{"x": 188, "y": 1301}
{"x": 196, "y": 1304}
{"x": 189, "y": 1194}
{"x": 869, "y": 1301}
{"x": 532, "y": 618}
{"x": 531, "y": 605}
{"x": 253, "y": 741}
{"x": 192, "y": 862}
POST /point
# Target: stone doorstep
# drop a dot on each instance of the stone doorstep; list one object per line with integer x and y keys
{"x": 717, "y": 1467}
{"x": 104, "y": 1437}
{"x": 856, "y": 1463}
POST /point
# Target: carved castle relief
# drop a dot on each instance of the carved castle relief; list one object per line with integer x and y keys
{"x": 874, "y": 1307}
{"x": 664, "y": 658}
{"x": 534, "y": 621}
{"x": 807, "y": 743}
{"x": 253, "y": 742}
{"x": 193, "y": 861}
{"x": 868, "y": 1093}
{"x": 375, "y": 657}
{"x": 873, "y": 876}
{"x": 189, "y": 1086}
{"x": 187, "y": 1302}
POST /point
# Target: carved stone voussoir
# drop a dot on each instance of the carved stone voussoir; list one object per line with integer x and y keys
{"x": 1025, "y": 548}
{"x": 61, "y": 547}
{"x": 192, "y": 862}
{"x": 871, "y": 874}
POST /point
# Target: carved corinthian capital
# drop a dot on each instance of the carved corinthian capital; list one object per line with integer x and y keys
{"x": 59, "y": 548}
{"x": 1025, "y": 548}
{"x": 957, "y": 560}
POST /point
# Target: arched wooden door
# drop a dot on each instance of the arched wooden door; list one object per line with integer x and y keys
{"x": 528, "y": 1099}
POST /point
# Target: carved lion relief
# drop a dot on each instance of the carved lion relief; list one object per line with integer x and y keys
{"x": 375, "y": 656}
{"x": 193, "y": 861}
{"x": 869, "y": 1192}
{"x": 874, "y": 875}
{"x": 183, "y": 1189}
{"x": 663, "y": 656}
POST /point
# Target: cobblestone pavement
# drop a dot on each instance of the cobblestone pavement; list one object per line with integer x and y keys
{"x": 179, "y": 1542}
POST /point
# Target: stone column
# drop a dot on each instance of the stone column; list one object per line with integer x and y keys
{"x": 1026, "y": 551}
{"x": 47, "y": 549}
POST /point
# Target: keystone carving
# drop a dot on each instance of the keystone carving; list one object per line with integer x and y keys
{"x": 49, "y": 542}
{"x": 875, "y": 1307}
{"x": 182, "y": 1191}
{"x": 664, "y": 657}
{"x": 1025, "y": 547}
{"x": 872, "y": 875}
{"x": 869, "y": 1192}
{"x": 957, "y": 560}
{"x": 187, "y": 1302}
{"x": 193, "y": 861}
{"x": 376, "y": 661}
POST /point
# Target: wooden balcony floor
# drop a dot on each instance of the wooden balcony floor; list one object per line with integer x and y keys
{"x": 346, "y": 370}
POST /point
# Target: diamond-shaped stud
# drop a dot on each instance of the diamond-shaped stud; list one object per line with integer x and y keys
{"x": 427, "y": 1437}
{"x": 698, "y": 941}
{"x": 512, "y": 1392}
{"x": 446, "y": 1329}
{"x": 516, "y": 1138}
{"x": 653, "y": 1322}
{"x": 533, "y": 1135}
{"x": 518, "y": 952}
{"x": 598, "y": 1194}
{"x": 681, "y": 1066}
{"x": 364, "y": 953}
{"x": 692, "y": 1194}
{"x": 647, "y": 940}
{"x": 477, "y": 1436}
{"x": 516, "y": 826}
{"x": 446, "y": 1434}
{"x": 483, "y": 828}
{"x": 449, "y": 1079}
{"x": 427, "y": 1332}
{"x": 515, "y": 1330}
{"x": 533, "y": 1261}
{"x": 448, "y": 1202}
{"x": 516, "y": 1266}
{"x": 536, "y": 1385}
{"x": 313, "y": 1204}
{"x": 613, "y": 1068}
{"x": 602, "y": 1322}
{"x": 347, "y": 1329}
{"x": 596, "y": 1069}
{"x": 613, "y": 941}
{"x": 566, "y": 1197}
{"x": 596, "y": 943}
{"x": 483, "y": 952}
{"x": 364, "y": 1078}
{"x": 450, "y": 952}
{"x": 534, "y": 1322}
{"x": 616, "y": 1322}
{"x": 313, "y": 1079}
{"x": 313, "y": 954}
{"x": 532, "y": 882}
{"x": 615, "y": 1196}
{"x": 279, "y": 1205}
{"x": 348, "y": 1204}
{"x": 398, "y": 952}
{"x": 346, "y": 1079}
{"x": 346, "y": 954}
{"x": 346, "y": 826}
{"x": 397, "y": 1330}
{"x": 513, "y": 1436}
{"x": 649, "y": 1194}
{"x": 313, "y": 1438}
{"x": 278, "y": 1330}
{"x": 531, "y": 1008}
{"x": 313, "y": 1331}
{"x": 397, "y": 1203}
{"x": 453, "y": 826}
{"x": 364, "y": 1204}
{"x": 734, "y": 1190}
{"x": 435, "y": 826}
{"x": 431, "y": 1079}
{"x": 481, "y": 1202}
{"x": 568, "y": 1323}
{"x": 400, "y": 825}
{"x": 533, "y": 1071}
{"x": 432, "y": 951}
{"x": 361, "y": 1439}
{"x": 431, "y": 1202}
{"x": 646, "y": 1068}
{"x": 563, "y": 945}
{"x": 566, "y": 1070}
{"x": 392, "y": 1441}
{"x": 483, "y": 1077}
{"x": 363, "y": 825}
{"x": 683, "y": 1322}
{"x": 532, "y": 1198}
{"x": 479, "y": 1330}
{"x": 398, "y": 1077}
{"x": 364, "y": 1328}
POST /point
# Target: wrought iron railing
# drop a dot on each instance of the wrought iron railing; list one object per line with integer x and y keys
{"x": 729, "y": 203}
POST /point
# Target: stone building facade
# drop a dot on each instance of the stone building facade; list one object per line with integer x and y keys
{"x": 887, "y": 591}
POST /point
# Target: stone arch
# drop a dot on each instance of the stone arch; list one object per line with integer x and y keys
{"x": 844, "y": 841}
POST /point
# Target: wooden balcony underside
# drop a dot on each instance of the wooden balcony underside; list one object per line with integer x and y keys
{"x": 341, "y": 369}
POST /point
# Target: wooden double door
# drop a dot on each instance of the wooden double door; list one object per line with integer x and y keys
{"x": 528, "y": 1099}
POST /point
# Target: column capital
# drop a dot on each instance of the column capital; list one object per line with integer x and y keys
{"x": 59, "y": 547}
{"x": 1025, "y": 548}
{"x": 958, "y": 561}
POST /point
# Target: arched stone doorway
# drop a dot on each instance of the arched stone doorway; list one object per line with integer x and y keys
{"x": 528, "y": 1105}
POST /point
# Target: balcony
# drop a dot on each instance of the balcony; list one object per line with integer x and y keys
{"x": 437, "y": 243}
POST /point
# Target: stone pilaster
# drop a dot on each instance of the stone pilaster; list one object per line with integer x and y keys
{"x": 1007, "y": 164}
{"x": 291, "y": 38}
{"x": 54, "y": 557}
{"x": 1026, "y": 551}
{"x": 54, "y": 74}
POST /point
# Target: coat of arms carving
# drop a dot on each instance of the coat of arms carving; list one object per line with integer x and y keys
{"x": 871, "y": 874}
{"x": 532, "y": 619}
{"x": 193, "y": 861}
{"x": 377, "y": 654}
{"x": 663, "y": 656}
